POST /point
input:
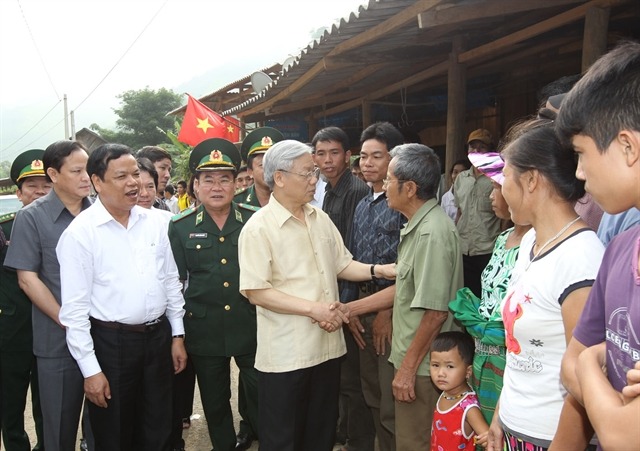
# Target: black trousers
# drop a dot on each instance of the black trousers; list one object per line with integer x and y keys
{"x": 298, "y": 409}
{"x": 139, "y": 368}
{"x": 184, "y": 384}
{"x": 361, "y": 432}
{"x": 473, "y": 267}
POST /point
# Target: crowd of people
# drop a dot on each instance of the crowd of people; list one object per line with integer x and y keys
{"x": 364, "y": 301}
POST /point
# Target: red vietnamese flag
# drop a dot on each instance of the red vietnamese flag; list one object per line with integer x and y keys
{"x": 233, "y": 129}
{"x": 201, "y": 123}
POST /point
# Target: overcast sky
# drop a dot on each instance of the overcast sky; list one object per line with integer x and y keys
{"x": 51, "y": 48}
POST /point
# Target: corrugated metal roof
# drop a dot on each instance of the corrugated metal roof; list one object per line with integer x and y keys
{"x": 234, "y": 90}
{"x": 387, "y": 46}
{"x": 359, "y": 21}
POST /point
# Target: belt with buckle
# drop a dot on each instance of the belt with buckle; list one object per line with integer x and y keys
{"x": 146, "y": 327}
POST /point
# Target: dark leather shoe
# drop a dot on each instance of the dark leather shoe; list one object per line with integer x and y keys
{"x": 243, "y": 441}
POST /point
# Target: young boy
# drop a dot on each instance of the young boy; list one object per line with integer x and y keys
{"x": 457, "y": 420}
{"x": 601, "y": 118}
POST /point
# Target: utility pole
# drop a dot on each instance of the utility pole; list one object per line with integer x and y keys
{"x": 66, "y": 118}
{"x": 73, "y": 125}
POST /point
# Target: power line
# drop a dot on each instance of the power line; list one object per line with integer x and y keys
{"x": 123, "y": 55}
{"x": 34, "y": 126}
{"x": 91, "y": 92}
{"x": 35, "y": 44}
{"x": 48, "y": 130}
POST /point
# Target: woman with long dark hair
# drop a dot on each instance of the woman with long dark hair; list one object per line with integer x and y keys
{"x": 556, "y": 267}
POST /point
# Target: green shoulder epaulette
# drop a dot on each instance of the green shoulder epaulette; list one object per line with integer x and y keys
{"x": 240, "y": 191}
{"x": 7, "y": 217}
{"x": 248, "y": 207}
{"x": 183, "y": 214}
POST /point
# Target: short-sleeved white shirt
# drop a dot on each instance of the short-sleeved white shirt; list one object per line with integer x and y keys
{"x": 532, "y": 395}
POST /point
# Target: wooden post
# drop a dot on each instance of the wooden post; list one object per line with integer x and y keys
{"x": 594, "y": 41}
{"x": 366, "y": 114}
{"x": 456, "y": 107}
{"x": 312, "y": 125}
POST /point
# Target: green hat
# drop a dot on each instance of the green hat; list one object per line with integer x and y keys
{"x": 215, "y": 154}
{"x": 259, "y": 140}
{"x": 27, "y": 164}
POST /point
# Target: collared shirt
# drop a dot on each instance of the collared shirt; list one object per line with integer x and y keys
{"x": 247, "y": 196}
{"x": 219, "y": 321}
{"x": 429, "y": 273}
{"x": 611, "y": 225}
{"x": 34, "y": 237}
{"x": 478, "y": 225}
{"x": 318, "y": 197}
{"x": 278, "y": 251}
{"x": 173, "y": 205}
{"x": 340, "y": 202}
{"x": 375, "y": 237}
{"x": 113, "y": 273}
{"x": 161, "y": 204}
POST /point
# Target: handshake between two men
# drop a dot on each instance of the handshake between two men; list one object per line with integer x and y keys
{"x": 331, "y": 317}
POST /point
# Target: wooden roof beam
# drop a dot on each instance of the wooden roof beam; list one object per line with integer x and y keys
{"x": 433, "y": 71}
{"x": 438, "y": 69}
{"x": 393, "y": 23}
{"x": 323, "y": 98}
{"x": 558, "y": 21}
{"x": 456, "y": 14}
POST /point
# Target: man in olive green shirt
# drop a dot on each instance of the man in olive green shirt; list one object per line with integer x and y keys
{"x": 477, "y": 223}
{"x": 429, "y": 272}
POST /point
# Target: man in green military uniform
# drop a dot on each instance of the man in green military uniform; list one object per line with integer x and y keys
{"x": 219, "y": 322}
{"x": 17, "y": 363}
{"x": 254, "y": 146}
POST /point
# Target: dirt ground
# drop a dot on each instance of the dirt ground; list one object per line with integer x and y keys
{"x": 196, "y": 437}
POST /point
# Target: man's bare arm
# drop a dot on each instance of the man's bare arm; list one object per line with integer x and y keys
{"x": 381, "y": 300}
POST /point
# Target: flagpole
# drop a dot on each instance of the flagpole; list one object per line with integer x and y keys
{"x": 235, "y": 125}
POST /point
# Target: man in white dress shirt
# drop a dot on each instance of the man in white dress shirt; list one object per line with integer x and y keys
{"x": 122, "y": 306}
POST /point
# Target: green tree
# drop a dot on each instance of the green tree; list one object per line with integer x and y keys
{"x": 142, "y": 117}
{"x": 5, "y": 169}
{"x": 179, "y": 154}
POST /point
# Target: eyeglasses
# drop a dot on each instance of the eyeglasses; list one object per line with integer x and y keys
{"x": 224, "y": 183}
{"x": 307, "y": 175}
{"x": 387, "y": 180}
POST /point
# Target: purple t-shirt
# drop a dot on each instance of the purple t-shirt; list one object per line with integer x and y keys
{"x": 612, "y": 311}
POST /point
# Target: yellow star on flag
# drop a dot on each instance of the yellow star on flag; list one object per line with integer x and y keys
{"x": 230, "y": 129}
{"x": 204, "y": 124}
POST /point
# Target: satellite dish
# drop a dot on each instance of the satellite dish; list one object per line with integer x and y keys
{"x": 288, "y": 63}
{"x": 259, "y": 81}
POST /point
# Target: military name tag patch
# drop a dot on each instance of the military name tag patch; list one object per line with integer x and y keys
{"x": 198, "y": 235}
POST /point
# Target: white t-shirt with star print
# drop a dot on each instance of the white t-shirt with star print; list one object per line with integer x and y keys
{"x": 532, "y": 395}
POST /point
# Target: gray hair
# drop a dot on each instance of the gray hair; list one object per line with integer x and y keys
{"x": 280, "y": 157}
{"x": 417, "y": 163}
